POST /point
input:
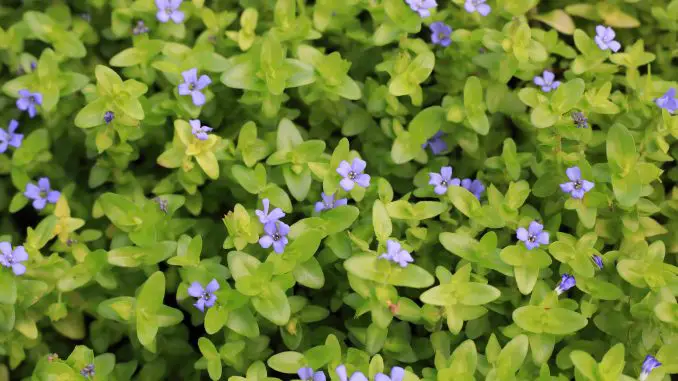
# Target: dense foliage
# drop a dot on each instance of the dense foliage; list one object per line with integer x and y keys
{"x": 259, "y": 190}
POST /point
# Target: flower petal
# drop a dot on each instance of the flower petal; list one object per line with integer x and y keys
{"x": 484, "y": 9}
{"x": 440, "y": 189}
{"x": 5, "y": 248}
{"x": 32, "y": 191}
{"x": 190, "y": 75}
{"x": 266, "y": 241}
{"x": 18, "y": 269}
{"x": 358, "y": 165}
{"x": 397, "y": 373}
{"x": 539, "y": 81}
{"x": 319, "y": 376}
{"x": 587, "y": 185}
{"x": 381, "y": 377}
{"x": 614, "y": 46}
{"x": 212, "y": 286}
{"x": 43, "y": 184}
{"x": 53, "y": 197}
{"x": 535, "y": 228}
{"x": 567, "y": 187}
{"x": 347, "y": 184}
{"x": 319, "y": 206}
{"x": 305, "y": 373}
{"x": 177, "y": 17}
{"x": 434, "y": 178}
{"x": 195, "y": 290}
{"x": 184, "y": 89}
{"x": 344, "y": 168}
{"x": 446, "y": 173}
{"x": 358, "y": 376}
{"x": 573, "y": 173}
{"x": 543, "y": 238}
{"x": 521, "y": 234}
{"x": 203, "y": 82}
{"x": 198, "y": 98}
{"x": 600, "y": 30}
{"x": 162, "y": 16}
{"x": 39, "y": 204}
{"x": 363, "y": 180}
{"x": 20, "y": 254}
{"x": 200, "y": 304}
{"x": 341, "y": 372}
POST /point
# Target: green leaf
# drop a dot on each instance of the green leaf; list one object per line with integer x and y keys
{"x": 621, "y": 149}
{"x": 92, "y": 115}
{"x": 287, "y": 362}
{"x": 8, "y": 287}
{"x": 463, "y": 200}
{"x": 365, "y": 267}
{"x": 273, "y": 305}
{"x": 567, "y": 95}
{"x": 381, "y": 221}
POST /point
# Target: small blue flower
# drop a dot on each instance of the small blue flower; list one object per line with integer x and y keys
{"x": 668, "y": 101}
{"x": 343, "y": 376}
{"x": 477, "y": 6}
{"x": 140, "y": 28}
{"x": 88, "y": 371}
{"x": 353, "y": 174}
{"x": 205, "y": 296}
{"x": 397, "y": 374}
{"x": 307, "y": 374}
{"x": 276, "y": 235}
{"x": 109, "y": 116}
{"x": 598, "y": 261}
{"x": 9, "y": 137}
{"x": 200, "y": 132}
{"x": 577, "y": 186}
{"x": 533, "y": 236}
{"x": 27, "y": 102}
{"x": 41, "y": 194}
{"x": 649, "y": 364}
{"x": 567, "y": 281}
{"x": 476, "y": 186}
{"x": 440, "y": 35}
{"x": 329, "y": 202}
{"x": 605, "y": 39}
{"x": 442, "y": 181}
{"x": 169, "y": 9}
{"x": 266, "y": 217}
{"x": 546, "y": 81}
{"x": 580, "y": 119}
{"x": 13, "y": 258}
{"x": 192, "y": 86}
{"x": 436, "y": 143}
{"x": 396, "y": 254}
{"x": 423, "y": 7}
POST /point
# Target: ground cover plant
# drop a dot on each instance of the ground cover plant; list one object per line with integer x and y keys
{"x": 388, "y": 190}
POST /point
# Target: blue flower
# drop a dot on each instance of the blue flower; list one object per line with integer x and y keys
{"x": 477, "y": 6}
{"x": 546, "y": 81}
{"x": 396, "y": 254}
{"x": 307, "y": 374}
{"x": 192, "y": 86}
{"x": 668, "y": 101}
{"x": 109, "y": 116}
{"x": 580, "y": 119}
{"x": 533, "y": 236}
{"x": 476, "y": 186}
{"x": 13, "y": 258}
{"x": 329, "y": 202}
{"x": 88, "y": 371}
{"x": 436, "y": 143}
{"x": 598, "y": 261}
{"x": 442, "y": 181}
{"x": 9, "y": 137}
{"x": 276, "y": 235}
{"x": 266, "y": 217}
{"x": 397, "y": 374}
{"x": 27, "y": 102}
{"x": 169, "y": 9}
{"x": 422, "y": 7}
{"x": 41, "y": 194}
{"x": 200, "y": 132}
{"x": 605, "y": 39}
{"x": 353, "y": 174}
{"x": 440, "y": 35}
{"x": 649, "y": 364}
{"x": 343, "y": 376}
{"x": 577, "y": 186}
{"x": 140, "y": 28}
{"x": 205, "y": 296}
{"x": 567, "y": 281}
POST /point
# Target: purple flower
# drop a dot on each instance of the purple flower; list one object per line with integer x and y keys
{"x": 396, "y": 254}
{"x": 88, "y": 371}
{"x": 109, "y": 116}
{"x": 605, "y": 39}
{"x": 397, "y": 374}
{"x": 668, "y": 101}
{"x": 533, "y": 236}
{"x": 28, "y": 100}
{"x": 440, "y": 35}
{"x": 436, "y": 143}
{"x": 476, "y": 186}
{"x": 9, "y": 138}
{"x": 422, "y": 6}
{"x": 266, "y": 217}
{"x": 477, "y": 6}
{"x": 567, "y": 281}
{"x": 546, "y": 81}
{"x": 598, "y": 261}
{"x": 192, "y": 86}
{"x": 307, "y": 374}
{"x": 442, "y": 181}
{"x": 205, "y": 296}
{"x": 649, "y": 364}
{"x": 169, "y": 9}
{"x": 576, "y": 187}
{"x": 328, "y": 202}
{"x": 13, "y": 258}
{"x": 580, "y": 119}
{"x": 140, "y": 28}
{"x": 343, "y": 376}
{"x": 200, "y": 132}
{"x": 276, "y": 235}
{"x": 41, "y": 194}
{"x": 353, "y": 174}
